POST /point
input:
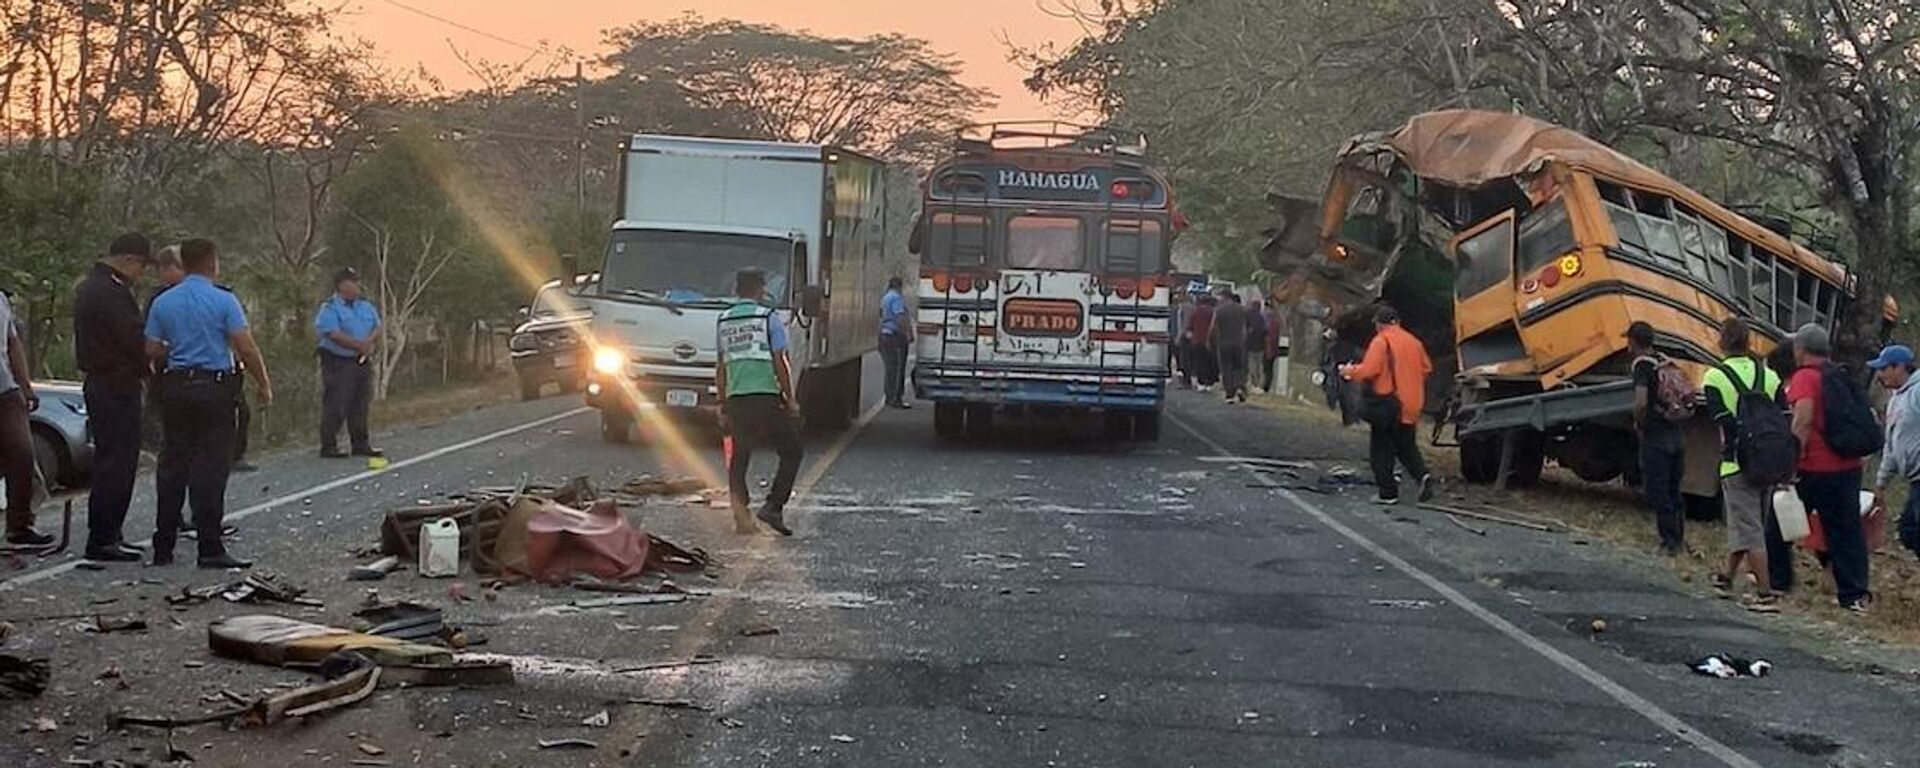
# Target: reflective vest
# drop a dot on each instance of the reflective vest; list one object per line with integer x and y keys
{"x": 746, "y": 348}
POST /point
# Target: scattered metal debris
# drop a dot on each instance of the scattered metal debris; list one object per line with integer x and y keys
{"x": 672, "y": 704}
{"x": 568, "y": 744}
{"x": 599, "y": 719}
{"x": 1455, "y": 519}
{"x": 759, "y": 630}
{"x": 103, "y": 625}
{"x": 375, "y": 570}
{"x": 255, "y": 588}
{"x": 1402, "y": 603}
{"x": 352, "y": 678}
{"x": 23, "y": 678}
{"x": 652, "y": 599}
{"x": 1258, "y": 461}
{"x": 695, "y": 661}
{"x": 843, "y": 738}
{"x": 1470, "y": 514}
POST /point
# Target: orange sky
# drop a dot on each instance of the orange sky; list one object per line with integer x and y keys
{"x": 970, "y": 29}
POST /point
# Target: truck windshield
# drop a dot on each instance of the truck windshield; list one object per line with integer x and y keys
{"x": 690, "y": 267}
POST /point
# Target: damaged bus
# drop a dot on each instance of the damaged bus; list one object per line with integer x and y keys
{"x": 1523, "y": 250}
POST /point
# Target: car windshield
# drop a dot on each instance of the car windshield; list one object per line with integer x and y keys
{"x": 553, "y": 301}
{"x": 689, "y": 267}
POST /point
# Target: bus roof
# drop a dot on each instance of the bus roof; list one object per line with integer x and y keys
{"x": 1473, "y": 148}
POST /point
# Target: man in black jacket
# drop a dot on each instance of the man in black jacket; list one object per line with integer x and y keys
{"x": 110, "y": 347}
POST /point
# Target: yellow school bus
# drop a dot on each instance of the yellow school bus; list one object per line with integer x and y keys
{"x": 1553, "y": 244}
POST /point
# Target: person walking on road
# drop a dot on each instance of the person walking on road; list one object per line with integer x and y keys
{"x": 756, "y": 388}
{"x": 1200, "y": 359}
{"x": 1394, "y": 371}
{"x": 16, "y": 436}
{"x": 1829, "y": 483}
{"x": 896, "y": 337}
{"x": 1256, "y": 347}
{"x": 1662, "y": 440}
{"x": 1178, "y": 322}
{"x": 1229, "y": 343}
{"x": 200, "y": 330}
{"x": 110, "y": 349}
{"x": 348, "y": 326}
{"x": 1270, "y": 356}
{"x": 1742, "y": 396}
{"x": 1900, "y": 459}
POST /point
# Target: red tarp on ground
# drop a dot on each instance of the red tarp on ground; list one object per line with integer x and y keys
{"x": 563, "y": 543}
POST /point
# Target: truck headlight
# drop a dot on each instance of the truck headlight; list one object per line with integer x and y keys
{"x": 523, "y": 342}
{"x": 608, "y": 360}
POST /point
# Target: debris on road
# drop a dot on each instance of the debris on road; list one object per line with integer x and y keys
{"x": 404, "y": 621}
{"x": 23, "y": 678}
{"x": 651, "y": 599}
{"x": 375, "y": 570}
{"x": 843, "y": 738}
{"x": 41, "y": 725}
{"x": 1258, "y": 461}
{"x": 658, "y": 665}
{"x": 732, "y": 723}
{"x": 1455, "y": 519}
{"x": 370, "y": 749}
{"x": 1598, "y": 626}
{"x": 103, "y": 625}
{"x": 1723, "y": 666}
{"x": 257, "y": 587}
{"x": 1401, "y": 603}
{"x": 568, "y": 744}
{"x": 599, "y": 719}
{"x": 351, "y": 678}
{"x": 1491, "y": 518}
{"x": 759, "y": 630}
{"x": 671, "y": 704}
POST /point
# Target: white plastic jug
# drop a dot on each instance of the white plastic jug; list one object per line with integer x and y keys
{"x": 440, "y": 548}
{"x": 1792, "y": 515}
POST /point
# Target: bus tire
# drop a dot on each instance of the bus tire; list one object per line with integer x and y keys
{"x": 1146, "y": 426}
{"x": 1480, "y": 458}
{"x": 616, "y": 428}
{"x": 949, "y": 420}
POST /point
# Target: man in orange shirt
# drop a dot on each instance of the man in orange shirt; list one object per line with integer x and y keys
{"x": 1396, "y": 368}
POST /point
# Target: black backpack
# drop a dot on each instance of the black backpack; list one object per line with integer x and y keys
{"x": 1763, "y": 436}
{"x": 1846, "y": 421}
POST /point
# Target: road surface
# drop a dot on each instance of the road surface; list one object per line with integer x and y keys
{"x": 1040, "y": 600}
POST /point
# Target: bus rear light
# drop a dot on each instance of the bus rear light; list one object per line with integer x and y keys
{"x": 941, "y": 281}
{"x": 1550, "y": 276}
{"x": 1146, "y": 289}
{"x": 963, "y": 283}
{"x": 1123, "y": 289}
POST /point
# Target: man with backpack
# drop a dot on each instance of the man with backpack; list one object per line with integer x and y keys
{"x": 1758, "y": 453}
{"x": 1662, "y": 403}
{"x": 1901, "y": 458}
{"x": 1836, "y": 429}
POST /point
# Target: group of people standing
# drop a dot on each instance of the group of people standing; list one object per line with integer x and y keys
{"x": 1803, "y": 432}
{"x": 1220, "y": 341}
{"x": 191, "y": 353}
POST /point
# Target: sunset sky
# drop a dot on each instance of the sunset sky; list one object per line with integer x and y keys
{"x": 971, "y": 29}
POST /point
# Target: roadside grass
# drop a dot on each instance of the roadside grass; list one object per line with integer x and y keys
{"x": 418, "y": 407}
{"x": 1612, "y": 513}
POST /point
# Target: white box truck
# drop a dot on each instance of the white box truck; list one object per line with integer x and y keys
{"x": 693, "y": 212}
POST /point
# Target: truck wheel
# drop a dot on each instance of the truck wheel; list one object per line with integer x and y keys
{"x": 949, "y": 419}
{"x": 1146, "y": 426}
{"x": 529, "y": 390}
{"x": 1480, "y": 458}
{"x": 979, "y": 421}
{"x": 50, "y": 461}
{"x": 616, "y": 428}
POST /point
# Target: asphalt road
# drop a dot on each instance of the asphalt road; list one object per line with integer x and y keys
{"x": 1041, "y": 599}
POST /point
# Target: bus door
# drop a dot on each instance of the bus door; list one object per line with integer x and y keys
{"x": 1484, "y": 316}
{"x": 1046, "y": 289}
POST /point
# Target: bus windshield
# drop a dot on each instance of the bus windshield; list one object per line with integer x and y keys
{"x": 690, "y": 267}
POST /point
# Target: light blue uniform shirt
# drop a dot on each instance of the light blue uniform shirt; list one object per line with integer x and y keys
{"x": 194, "y": 320}
{"x": 356, "y": 319}
{"x": 893, "y": 307}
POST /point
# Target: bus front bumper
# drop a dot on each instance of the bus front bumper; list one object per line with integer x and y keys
{"x": 1131, "y": 391}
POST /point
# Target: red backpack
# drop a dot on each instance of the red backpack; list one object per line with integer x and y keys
{"x": 1674, "y": 393}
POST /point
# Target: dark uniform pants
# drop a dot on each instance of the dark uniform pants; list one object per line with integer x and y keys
{"x": 346, "y": 390}
{"x": 113, "y": 416}
{"x": 196, "y": 452}
{"x": 1388, "y": 443}
{"x": 757, "y": 421}
{"x": 16, "y": 459}
{"x": 893, "y": 352}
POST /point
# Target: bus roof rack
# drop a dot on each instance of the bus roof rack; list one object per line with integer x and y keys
{"x": 1049, "y": 135}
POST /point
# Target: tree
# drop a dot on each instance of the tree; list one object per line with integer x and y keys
{"x": 400, "y": 221}
{"x": 888, "y": 94}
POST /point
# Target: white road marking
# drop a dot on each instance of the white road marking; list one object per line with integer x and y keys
{"x": 1616, "y": 691}
{"x": 53, "y": 571}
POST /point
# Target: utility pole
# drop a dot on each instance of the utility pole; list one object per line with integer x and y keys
{"x": 580, "y": 136}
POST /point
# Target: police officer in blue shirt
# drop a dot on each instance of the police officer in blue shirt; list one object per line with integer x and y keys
{"x": 348, "y": 326}
{"x": 197, "y": 328}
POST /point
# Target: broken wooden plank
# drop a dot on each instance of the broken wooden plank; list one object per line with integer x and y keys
{"x": 1472, "y": 515}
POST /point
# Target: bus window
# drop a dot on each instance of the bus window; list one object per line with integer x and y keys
{"x": 1719, "y": 266}
{"x": 1693, "y": 245}
{"x": 1133, "y": 246}
{"x": 1740, "y": 271}
{"x": 1044, "y": 242}
{"x": 1783, "y": 282}
{"x": 1824, "y": 309}
{"x": 1484, "y": 260}
{"x": 1807, "y": 293}
{"x": 1761, "y": 300}
{"x": 1545, "y": 236}
{"x": 957, "y": 239}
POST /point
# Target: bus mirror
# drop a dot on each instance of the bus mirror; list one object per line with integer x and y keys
{"x": 813, "y": 301}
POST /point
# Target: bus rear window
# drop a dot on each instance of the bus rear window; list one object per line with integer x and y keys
{"x": 1133, "y": 246}
{"x": 1044, "y": 242}
{"x": 957, "y": 239}
{"x": 1484, "y": 260}
{"x": 1547, "y": 235}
